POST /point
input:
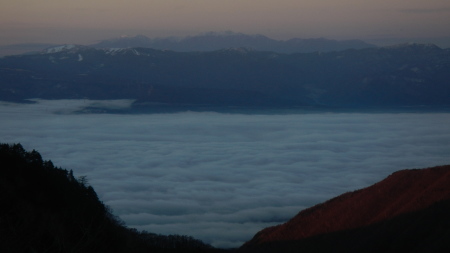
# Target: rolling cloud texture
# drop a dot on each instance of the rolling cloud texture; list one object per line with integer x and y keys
{"x": 223, "y": 177}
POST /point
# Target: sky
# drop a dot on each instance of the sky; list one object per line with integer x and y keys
{"x": 223, "y": 177}
{"x": 88, "y": 21}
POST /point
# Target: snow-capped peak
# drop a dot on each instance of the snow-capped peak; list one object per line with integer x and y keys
{"x": 58, "y": 49}
{"x": 64, "y": 48}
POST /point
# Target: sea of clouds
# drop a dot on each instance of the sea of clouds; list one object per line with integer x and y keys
{"x": 222, "y": 177}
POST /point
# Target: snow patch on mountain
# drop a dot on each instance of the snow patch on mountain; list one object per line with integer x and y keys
{"x": 115, "y": 51}
{"x": 59, "y": 49}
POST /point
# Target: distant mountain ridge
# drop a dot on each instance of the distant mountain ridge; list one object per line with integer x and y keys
{"x": 26, "y": 48}
{"x": 403, "y": 75}
{"x": 215, "y": 41}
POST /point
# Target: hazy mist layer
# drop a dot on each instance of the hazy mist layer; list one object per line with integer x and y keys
{"x": 222, "y": 177}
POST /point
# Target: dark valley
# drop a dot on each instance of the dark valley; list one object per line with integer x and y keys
{"x": 48, "y": 209}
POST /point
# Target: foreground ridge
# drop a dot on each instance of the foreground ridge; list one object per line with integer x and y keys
{"x": 47, "y": 209}
{"x": 409, "y": 203}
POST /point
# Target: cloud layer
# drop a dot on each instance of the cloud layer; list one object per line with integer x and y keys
{"x": 223, "y": 177}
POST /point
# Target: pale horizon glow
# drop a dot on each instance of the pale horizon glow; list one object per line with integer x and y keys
{"x": 85, "y": 22}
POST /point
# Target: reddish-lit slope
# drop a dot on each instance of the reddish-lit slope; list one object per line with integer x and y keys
{"x": 402, "y": 192}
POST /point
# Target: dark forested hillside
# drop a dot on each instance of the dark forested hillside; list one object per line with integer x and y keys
{"x": 47, "y": 209}
{"x": 405, "y": 75}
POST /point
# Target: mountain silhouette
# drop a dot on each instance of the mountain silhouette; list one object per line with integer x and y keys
{"x": 211, "y": 41}
{"x": 48, "y": 209}
{"x": 410, "y": 207}
{"x": 404, "y": 75}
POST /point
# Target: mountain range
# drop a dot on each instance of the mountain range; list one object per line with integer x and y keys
{"x": 212, "y": 41}
{"x": 209, "y": 41}
{"x": 402, "y": 75}
{"x": 25, "y": 48}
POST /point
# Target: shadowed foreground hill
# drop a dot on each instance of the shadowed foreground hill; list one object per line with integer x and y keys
{"x": 46, "y": 209}
{"x": 409, "y": 211}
